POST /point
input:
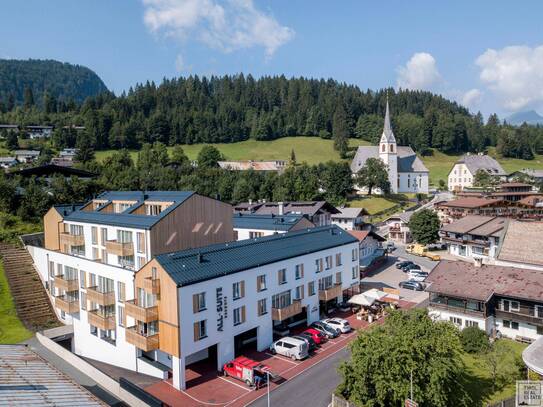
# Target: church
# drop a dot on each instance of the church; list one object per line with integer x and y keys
{"x": 406, "y": 172}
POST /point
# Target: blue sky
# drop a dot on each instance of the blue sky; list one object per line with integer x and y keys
{"x": 485, "y": 54}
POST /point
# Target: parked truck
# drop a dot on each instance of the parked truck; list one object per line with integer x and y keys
{"x": 420, "y": 250}
{"x": 247, "y": 370}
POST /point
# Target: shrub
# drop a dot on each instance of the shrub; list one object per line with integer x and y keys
{"x": 474, "y": 340}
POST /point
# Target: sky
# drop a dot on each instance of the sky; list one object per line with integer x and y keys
{"x": 487, "y": 55}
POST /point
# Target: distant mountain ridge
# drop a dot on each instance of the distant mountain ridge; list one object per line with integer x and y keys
{"x": 62, "y": 80}
{"x": 529, "y": 117}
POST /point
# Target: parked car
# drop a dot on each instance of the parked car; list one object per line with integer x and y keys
{"x": 295, "y": 349}
{"x": 339, "y": 323}
{"x": 402, "y": 264}
{"x": 311, "y": 345}
{"x": 390, "y": 246}
{"x": 317, "y": 336}
{"x": 411, "y": 267}
{"x": 326, "y": 329}
{"x": 412, "y": 285}
{"x": 417, "y": 275}
{"x": 436, "y": 246}
{"x": 247, "y": 370}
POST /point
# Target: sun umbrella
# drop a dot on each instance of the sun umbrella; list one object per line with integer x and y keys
{"x": 361, "y": 299}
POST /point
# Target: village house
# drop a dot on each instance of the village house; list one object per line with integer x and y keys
{"x": 371, "y": 253}
{"x": 250, "y": 225}
{"x": 273, "y": 165}
{"x": 350, "y": 218}
{"x": 398, "y": 227}
{"x": 463, "y": 172}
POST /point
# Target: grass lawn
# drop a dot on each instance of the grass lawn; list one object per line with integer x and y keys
{"x": 479, "y": 383}
{"x": 312, "y": 150}
{"x": 11, "y": 329}
{"x": 373, "y": 204}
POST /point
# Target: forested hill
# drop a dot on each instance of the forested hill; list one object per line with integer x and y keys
{"x": 234, "y": 108}
{"x": 61, "y": 81}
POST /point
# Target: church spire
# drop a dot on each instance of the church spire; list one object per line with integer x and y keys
{"x": 388, "y": 135}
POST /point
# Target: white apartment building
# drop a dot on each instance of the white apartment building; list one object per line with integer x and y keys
{"x": 250, "y": 225}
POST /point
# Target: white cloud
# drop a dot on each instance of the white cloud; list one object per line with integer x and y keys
{"x": 472, "y": 98}
{"x": 514, "y": 74}
{"x": 226, "y": 25}
{"x": 179, "y": 63}
{"x": 420, "y": 72}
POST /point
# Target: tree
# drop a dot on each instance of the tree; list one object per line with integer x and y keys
{"x": 208, "y": 157}
{"x": 179, "y": 156}
{"x": 483, "y": 179}
{"x": 292, "y": 161}
{"x": 424, "y": 226}
{"x": 504, "y": 366}
{"x": 12, "y": 142}
{"x": 408, "y": 343}
{"x": 28, "y": 98}
{"x": 85, "y": 150}
{"x": 374, "y": 174}
{"x": 336, "y": 181}
{"x": 340, "y": 131}
{"x": 474, "y": 340}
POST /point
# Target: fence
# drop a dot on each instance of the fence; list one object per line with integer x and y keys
{"x": 510, "y": 402}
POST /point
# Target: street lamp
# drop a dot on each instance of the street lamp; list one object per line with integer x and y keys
{"x": 268, "y": 384}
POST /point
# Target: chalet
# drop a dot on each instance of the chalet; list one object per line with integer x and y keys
{"x": 8, "y": 162}
{"x": 349, "y": 218}
{"x": 38, "y": 132}
{"x": 463, "y": 172}
{"x": 9, "y": 128}
{"x": 398, "y": 227}
{"x": 26, "y": 156}
{"x": 250, "y": 225}
{"x": 507, "y": 191}
{"x": 502, "y": 301}
{"x": 536, "y": 175}
{"x": 318, "y": 212}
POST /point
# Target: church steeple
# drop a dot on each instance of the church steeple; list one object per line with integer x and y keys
{"x": 388, "y": 135}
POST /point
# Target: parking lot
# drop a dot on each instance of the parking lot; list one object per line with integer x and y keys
{"x": 205, "y": 387}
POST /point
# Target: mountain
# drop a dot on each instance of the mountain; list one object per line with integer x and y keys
{"x": 63, "y": 81}
{"x": 529, "y": 116}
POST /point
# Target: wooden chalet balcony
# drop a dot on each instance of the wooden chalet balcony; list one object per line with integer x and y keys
{"x": 452, "y": 308}
{"x": 394, "y": 228}
{"x": 485, "y": 243}
{"x": 120, "y": 248}
{"x": 144, "y": 342}
{"x": 71, "y": 240}
{"x": 523, "y": 315}
{"x": 140, "y": 313}
{"x": 151, "y": 285}
{"x": 330, "y": 293}
{"x": 100, "y": 320}
{"x": 66, "y": 285}
{"x": 100, "y": 298}
{"x": 68, "y": 305}
{"x": 280, "y": 314}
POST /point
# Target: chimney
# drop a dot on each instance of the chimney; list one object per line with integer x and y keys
{"x": 250, "y": 201}
{"x": 281, "y": 208}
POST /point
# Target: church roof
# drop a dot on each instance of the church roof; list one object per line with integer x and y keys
{"x": 388, "y": 135}
{"x": 407, "y": 159}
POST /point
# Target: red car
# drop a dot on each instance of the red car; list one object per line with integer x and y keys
{"x": 317, "y": 336}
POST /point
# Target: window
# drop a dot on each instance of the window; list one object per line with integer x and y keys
{"x": 539, "y": 311}
{"x": 94, "y": 235}
{"x": 70, "y": 273}
{"x": 153, "y": 210}
{"x": 126, "y": 261}
{"x": 328, "y": 262}
{"x": 124, "y": 236}
{"x": 261, "y": 283}
{"x": 383, "y": 148}
{"x": 325, "y": 283}
{"x": 456, "y": 321}
{"x": 354, "y": 254}
{"x": 104, "y": 256}
{"x": 299, "y": 292}
{"x": 93, "y": 330}
{"x": 83, "y": 300}
{"x": 140, "y": 242}
{"x": 239, "y": 315}
{"x": 238, "y": 290}
{"x": 281, "y": 300}
{"x": 311, "y": 288}
{"x": 103, "y": 236}
{"x": 92, "y": 280}
{"x": 121, "y": 291}
{"x": 510, "y": 306}
{"x": 299, "y": 271}
{"x": 120, "y": 313}
{"x": 51, "y": 269}
{"x": 95, "y": 253}
{"x": 539, "y": 329}
{"x": 253, "y": 235}
{"x": 318, "y": 265}
{"x": 145, "y": 299}
{"x": 76, "y": 230}
{"x": 408, "y": 183}
{"x": 262, "y": 307}
{"x": 514, "y": 325}
{"x": 282, "y": 276}
{"x": 354, "y": 273}
{"x": 141, "y": 262}
{"x": 82, "y": 279}
{"x": 338, "y": 259}
{"x": 470, "y": 323}
{"x": 200, "y": 330}
{"x": 198, "y": 302}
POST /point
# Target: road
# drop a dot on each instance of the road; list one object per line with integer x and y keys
{"x": 312, "y": 388}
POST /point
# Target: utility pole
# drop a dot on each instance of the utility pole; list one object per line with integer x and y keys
{"x": 411, "y": 380}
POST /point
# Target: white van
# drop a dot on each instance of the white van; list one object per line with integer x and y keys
{"x": 293, "y": 348}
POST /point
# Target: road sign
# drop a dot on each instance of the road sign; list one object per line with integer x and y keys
{"x": 411, "y": 403}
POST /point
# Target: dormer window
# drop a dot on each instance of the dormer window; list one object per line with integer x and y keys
{"x": 153, "y": 210}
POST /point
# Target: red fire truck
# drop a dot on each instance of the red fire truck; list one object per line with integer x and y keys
{"x": 247, "y": 370}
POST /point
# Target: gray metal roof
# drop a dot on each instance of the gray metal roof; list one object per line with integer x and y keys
{"x": 265, "y": 222}
{"x": 126, "y": 218}
{"x": 192, "y": 266}
{"x": 407, "y": 159}
{"x": 28, "y": 380}
{"x": 476, "y": 162}
{"x": 349, "y": 213}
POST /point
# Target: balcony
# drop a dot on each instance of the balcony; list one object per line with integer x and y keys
{"x": 524, "y": 314}
{"x": 330, "y": 293}
{"x": 140, "y": 313}
{"x": 100, "y": 298}
{"x": 280, "y": 314}
{"x": 101, "y": 320}
{"x": 453, "y": 308}
{"x": 144, "y": 342}
{"x": 71, "y": 240}
{"x": 120, "y": 248}
{"x": 68, "y": 305}
{"x": 67, "y": 285}
{"x": 151, "y": 285}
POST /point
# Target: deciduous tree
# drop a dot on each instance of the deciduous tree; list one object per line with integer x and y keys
{"x": 424, "y": 226}
{"x": 374, "y": 174}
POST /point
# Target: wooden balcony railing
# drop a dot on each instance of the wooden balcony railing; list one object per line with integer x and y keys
{"x": 280, "y": 314}
{"x": 524, "y": 314}
{"x": 151, "y": 285}
{"x": 144, "y": 342}
{"x": 101, "y": 320}
{"x": 453, "y": 308}
{"x": 140, "y": 313}
{"x": 68, "y": 305}
{"x": 66, "y": 285}
{"x": 119, "y": 248}
{"x": 100, "y": 298}
{"x": 330, "y": 293}
{"x": 71, "y": 240}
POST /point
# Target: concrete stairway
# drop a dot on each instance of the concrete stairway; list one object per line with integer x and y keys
{"x": 31, "y": 300}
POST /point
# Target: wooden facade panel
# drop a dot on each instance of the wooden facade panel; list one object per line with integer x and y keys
{"x": 304, "y": 223}
{"x": 52, "y": 222}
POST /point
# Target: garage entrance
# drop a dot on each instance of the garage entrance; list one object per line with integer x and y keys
{"x": 246, "y": 341}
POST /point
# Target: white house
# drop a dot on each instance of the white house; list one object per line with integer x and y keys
{"x": 406, "y": 172}
{"x": 463, "y": 171}
{"x": 26, "y": 156}
{"x": 250, "y": 225}
{"x": 37, "y": 132}
{"x": 398, "y": 227}
{"x": 370, "y": 250}
{"x": 8, "y": 162}
{"x": 349, "y": 218}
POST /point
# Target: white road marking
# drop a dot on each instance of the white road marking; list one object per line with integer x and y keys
{"x": 283, "y": 358}
{"x": 235, "y": 384}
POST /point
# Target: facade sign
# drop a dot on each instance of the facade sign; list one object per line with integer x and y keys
{"x": 529, "y": 393}
{"x": 220, "y": 309}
